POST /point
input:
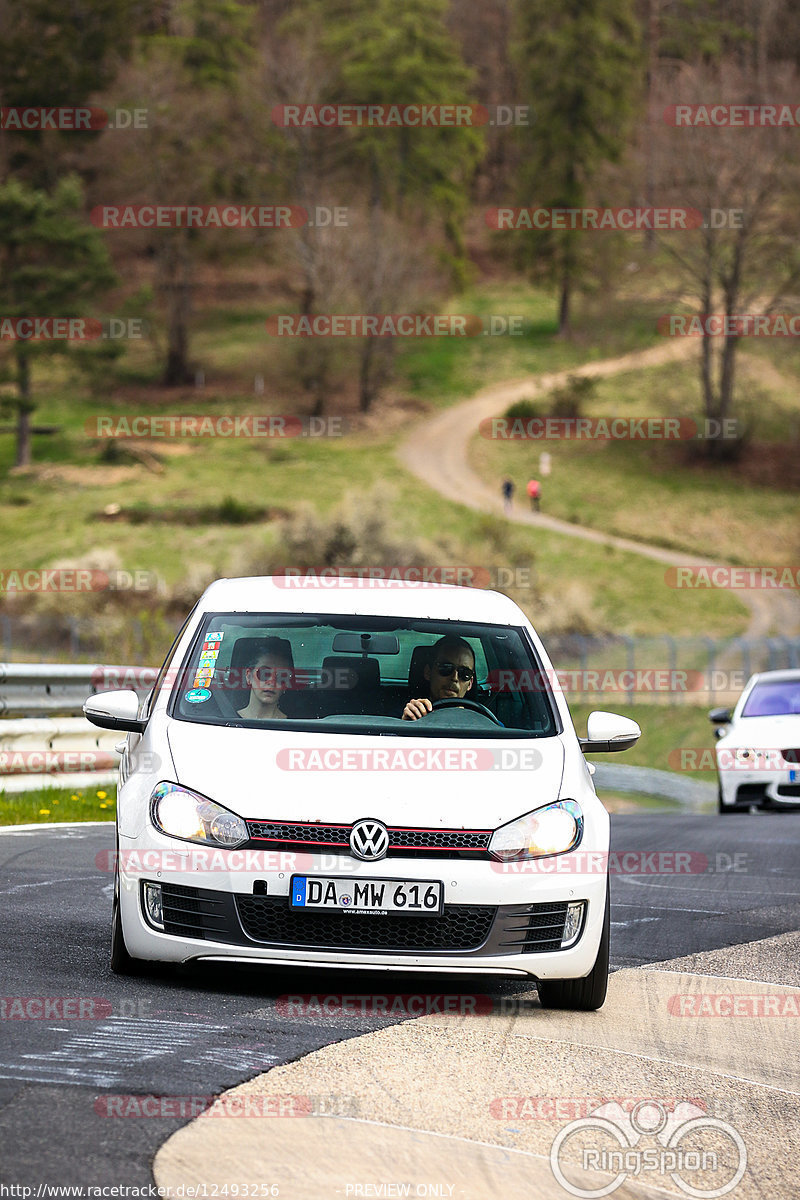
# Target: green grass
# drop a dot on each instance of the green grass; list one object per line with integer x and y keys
{"x": 646, "y": 490}
{"x": 623, "y": 802}
{"x": 50, "y": 517}
{"x": 54, "y": 804}
{"x": 666, "y": 732}
{"x": 441, "y": 370}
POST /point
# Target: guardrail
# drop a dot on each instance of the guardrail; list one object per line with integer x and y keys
{"x": 69, "y": 753}
{"x": 37, "y": 751}
{"x": 27, "y": 689}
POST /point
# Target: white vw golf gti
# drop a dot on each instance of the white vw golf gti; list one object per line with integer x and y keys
{"x": 367, "y": 774}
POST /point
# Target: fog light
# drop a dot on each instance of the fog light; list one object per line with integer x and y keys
{"x": 572, "y": 924}
{"x": 152, "y": 904}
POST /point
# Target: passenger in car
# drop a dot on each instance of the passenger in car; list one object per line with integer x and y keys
{"x": 268, "y": 675}
{"x": 450, "y": 675}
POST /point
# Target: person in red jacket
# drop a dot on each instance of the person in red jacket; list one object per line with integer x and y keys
{"x": 534, "y": 491}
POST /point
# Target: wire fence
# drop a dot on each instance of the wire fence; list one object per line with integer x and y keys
{"x": 650, "y": 669}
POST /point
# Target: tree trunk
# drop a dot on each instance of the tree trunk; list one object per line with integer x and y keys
{"x": 564, "y": 314}
{"x": 366, "y": 387}
{"x": 649, "y": 151}
{"x": 311, "y": 356}
{"x": 176, "y": 284}
{"x": 706, "y": 347}
{"x": 24, "y": 408}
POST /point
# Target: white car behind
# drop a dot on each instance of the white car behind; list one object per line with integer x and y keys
{"x": 758, "y": 744}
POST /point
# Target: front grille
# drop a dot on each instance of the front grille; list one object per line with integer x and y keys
{"x": 190, "y": 912}
{"x": 791, "y": 756}
{"x": 270, "y": 919}
{"x": 788, "y": 789}
{"x": 241, "y": 920}
{"x": 533, "y": 928}
{"x": 416, "y": 843}
{"x": 751, "y": 793}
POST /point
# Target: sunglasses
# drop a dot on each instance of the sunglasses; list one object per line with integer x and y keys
{"x": 463, "y": 674}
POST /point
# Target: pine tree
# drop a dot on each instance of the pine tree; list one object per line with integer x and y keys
{"x": 51, "y": 265}
{"x": 581, "y": 69}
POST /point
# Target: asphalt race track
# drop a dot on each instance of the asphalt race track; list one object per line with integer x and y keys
{"x": 196, "y": 1032}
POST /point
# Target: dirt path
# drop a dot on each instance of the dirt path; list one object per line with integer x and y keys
{"x": 437, "y": 453}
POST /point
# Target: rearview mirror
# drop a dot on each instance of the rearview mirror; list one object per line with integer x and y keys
{"x": 607, "y": 733}
{"x": 115, "y": 710}
{"x": 720, "y": 716}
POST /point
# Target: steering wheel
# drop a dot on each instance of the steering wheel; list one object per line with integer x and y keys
{"x": 473, "y": 704}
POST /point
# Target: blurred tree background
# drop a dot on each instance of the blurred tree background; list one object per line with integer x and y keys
{"x": 593, "y": 76}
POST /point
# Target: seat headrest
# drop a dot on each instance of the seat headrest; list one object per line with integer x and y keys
{"x": 420, "y": 658}
{"x": 342, "y": 673}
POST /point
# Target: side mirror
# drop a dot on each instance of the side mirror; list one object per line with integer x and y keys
{"x": 608, "y": 732}
{"x": 720, "y": 716}
{"x": 115, "y": 710}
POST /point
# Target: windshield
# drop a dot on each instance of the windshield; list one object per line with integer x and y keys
{"x": 331, "y": 672}
{"x": 775, "y": 699}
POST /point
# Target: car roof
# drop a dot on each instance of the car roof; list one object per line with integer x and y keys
{"x": 360, "y": 597}
{"x": 787, "y": 675}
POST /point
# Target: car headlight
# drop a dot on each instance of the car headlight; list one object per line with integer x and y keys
{"x": 183, "y": 814}
{"x": 554, "y": 829}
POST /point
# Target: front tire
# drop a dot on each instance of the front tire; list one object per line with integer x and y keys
{"x": 121, "y": 961}
{"x": 727, "y": 809}
{"x": 582, "y": 995}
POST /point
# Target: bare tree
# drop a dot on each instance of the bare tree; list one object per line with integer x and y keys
{"x": 742, "y": 257}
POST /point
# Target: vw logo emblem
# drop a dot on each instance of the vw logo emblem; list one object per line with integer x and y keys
{"x": 369, "y": 840}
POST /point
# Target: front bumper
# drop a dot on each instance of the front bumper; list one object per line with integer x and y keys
{"x": 497, "y": 918}
{"x": 778, "y": 788}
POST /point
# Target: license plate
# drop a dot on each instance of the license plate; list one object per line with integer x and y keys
{"x": 794, "y": 776}
{"x": 417, "y": 897}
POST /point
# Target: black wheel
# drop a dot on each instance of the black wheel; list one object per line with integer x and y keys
{"x": 121, "y": 961}
{"x": 727, "y": 809}
{"x": 584, "y": 995}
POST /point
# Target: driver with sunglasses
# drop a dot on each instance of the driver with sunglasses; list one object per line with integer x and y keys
{"x": 450, "y": 674}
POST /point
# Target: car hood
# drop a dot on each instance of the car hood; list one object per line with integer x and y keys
{"x": 767, "y": 733}
{"x": 296, "y": 776}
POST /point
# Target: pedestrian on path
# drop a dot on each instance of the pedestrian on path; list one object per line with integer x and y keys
{"x": 534, "y": 491}
{"x": 508, "y": 495}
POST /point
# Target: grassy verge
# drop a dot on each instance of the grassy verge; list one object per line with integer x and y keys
{"x": 650, "y": 490}
{"x": 58, "y": 804}
{"x": 56, "y": 511}
{"x": 628, "y": 802}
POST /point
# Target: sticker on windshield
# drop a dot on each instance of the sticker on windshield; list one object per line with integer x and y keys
{"x": 197, "y": 696}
